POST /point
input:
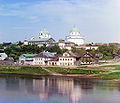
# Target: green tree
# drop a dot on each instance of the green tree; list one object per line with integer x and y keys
{"x": 108, "y": 51}
{"x": 74, "y": 50}
{"x": 55, "y": 48}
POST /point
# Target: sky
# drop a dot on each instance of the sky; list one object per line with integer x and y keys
{"x": 97, "y": 20}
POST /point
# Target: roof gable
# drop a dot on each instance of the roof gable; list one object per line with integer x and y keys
{"x": 45, "y": 55}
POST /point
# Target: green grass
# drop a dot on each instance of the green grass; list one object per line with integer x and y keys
{"x": 114, "y": 66}
{"x": 83, "y": 67}
{"x": 114, "y": 75}
{"x": 59, "y": 70}
{"x": 101, "y": 63}
{"x": 87, "y": 72}
{"x": 74, "y": 71}
{"x": 25, "y": 70}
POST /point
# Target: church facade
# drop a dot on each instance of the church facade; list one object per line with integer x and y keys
{"x": 43, "y": 38}
{"x": 75, "y": 37}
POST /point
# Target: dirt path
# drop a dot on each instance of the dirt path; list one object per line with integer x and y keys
{"x": 51, "y": 72}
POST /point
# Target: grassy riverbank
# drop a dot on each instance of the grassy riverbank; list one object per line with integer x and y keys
{"x": 24, "y": 70}
{"x": 102, "y": 72}
{"x": 108, "y": 72}
{"x": 75, "y": 70}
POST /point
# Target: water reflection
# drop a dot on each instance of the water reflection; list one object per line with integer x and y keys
{"x": 57, "y": 90}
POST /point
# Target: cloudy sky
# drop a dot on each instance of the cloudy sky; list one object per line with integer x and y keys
{"x": 97, "y": 20}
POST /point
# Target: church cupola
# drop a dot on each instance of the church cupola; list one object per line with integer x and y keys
{"x": 75, "y": 37}
{"x": 44, "y": 34}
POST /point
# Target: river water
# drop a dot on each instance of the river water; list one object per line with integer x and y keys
{"x": 58, "y": 90}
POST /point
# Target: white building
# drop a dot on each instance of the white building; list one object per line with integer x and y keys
{"x": 65, "y": 45}
{"x": 66, "y": 59}
{"x": 26, "y": 59}
{"x": 43, "y": 38}
{"x": 91, "y": 47}
{"x": 43, "y": 58}
{"x": 44, "y": 34}
{"x": 3, "y": 56}
{"x": 25, "y": 42}
{"x": 75, "y": 37}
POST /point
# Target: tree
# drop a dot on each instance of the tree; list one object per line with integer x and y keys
{"x": 17, "y": 50}
{"x": 55, "y": 48}
{"x": 108, "y": 51}
{"x": 74, "y": 50}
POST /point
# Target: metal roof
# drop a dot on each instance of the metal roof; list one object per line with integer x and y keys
{"x": 29, "y": 55}
{"x": 45, "y": 55}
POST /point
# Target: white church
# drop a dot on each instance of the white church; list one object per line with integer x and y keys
{"x": 75, "y": 37}
{"x": 44, "y": 37}
{"x": 72, "y": 39}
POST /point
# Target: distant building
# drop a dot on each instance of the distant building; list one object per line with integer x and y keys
{"x": 26, "y": 59}
{"x": 6, "y": 44}
{"x": 117, "y": 57}
{"x": 87, "y": 59}
{"x": 75, "y": 59}
{"x": 43, "y": 38}
{"x": 43, "y": 58}
{"x": 50, "y": 59}
{"x": 54, "y": 61}
{"x": 25, "y": 42}
{"x": 5, "y": 60}
{"x": 75, "y": 37}
{"x": 67, "y": 59}
{"x": 65, "y": 45}
{"x": 91, "y": 47}
{"x": 3, "y": 56}
{"x": 117, "y": 44}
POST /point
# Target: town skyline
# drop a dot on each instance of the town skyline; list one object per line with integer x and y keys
{"x": 97, "y": 21}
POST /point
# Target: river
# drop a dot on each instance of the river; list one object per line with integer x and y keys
{"x": 58, "y": 90}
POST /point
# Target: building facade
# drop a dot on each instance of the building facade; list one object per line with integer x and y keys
{"x": 43, "y": 38}
{"x": 3, "y": 56}
{"x": 43, "y": 58}
{"x": 75, "y": 37}
{"x": 65, "y": 45}
{"x": 49, "y": 59}
{"x": 27, "y": 59}
{"x": 66, "y": 59}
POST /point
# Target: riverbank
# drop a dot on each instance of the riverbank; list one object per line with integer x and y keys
{"x": 107, "y": 72}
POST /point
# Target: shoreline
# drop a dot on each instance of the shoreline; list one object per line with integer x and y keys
{"x": 38, "y": 76}
{"x": 109, "y": 72}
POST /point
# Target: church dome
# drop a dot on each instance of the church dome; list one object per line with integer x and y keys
{"x": 45, "y": 31}
{"x": 74, "y": 29}
{"x": 75, "y": 37}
